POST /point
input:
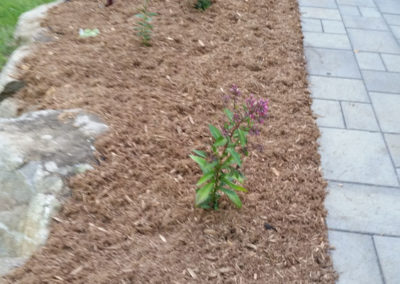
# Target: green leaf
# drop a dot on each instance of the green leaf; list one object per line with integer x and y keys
{"x": 141, "y": 16}
{"x": 229, "y": 114}
{"x": 202, "y": 163}
{"x": 205, "y": 178}
{"x": 237, "y": 175}
{"x": 209, "y": 167}
{"x": 235, "y": 156}
{"x": 242, "y": 137}
{"x": 203, "y": 193}
{"x": 215, "y": 132}
{"x": 227, "y": 162}
{"x": 200, "y": 153}
{"x": 152, "y": 14}
{"x": 221, "y": 141}
{"x": 232, "y": 196}
{"x": 234, "y": 186}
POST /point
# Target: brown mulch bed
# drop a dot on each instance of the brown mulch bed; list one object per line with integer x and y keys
{"x": 132, "y": 219}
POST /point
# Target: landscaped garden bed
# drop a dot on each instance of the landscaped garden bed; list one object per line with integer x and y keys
{"x": 132, "y": 219}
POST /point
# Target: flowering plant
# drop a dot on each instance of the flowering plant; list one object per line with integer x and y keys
{"x": 221, "y": 168}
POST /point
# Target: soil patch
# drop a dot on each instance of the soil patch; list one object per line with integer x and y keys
{"x": 132, "y": 219}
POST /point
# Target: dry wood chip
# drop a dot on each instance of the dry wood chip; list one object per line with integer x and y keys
{"x": 276, "y": 172}
{"x": 191, "y": 119}
{"x": 191, "y": 272}
{"x": 225, "y": 269}
{"x": 76, "y": 270}
{"x": 127, "y": 198}
{"x": 251, "y": 246}
{"x": 163, "y": 238}
{"x": 210, "y": 232}
{"x": 58, "y": 220}
{"x": 211, "y": 257}
{"x": 98, "y": 228}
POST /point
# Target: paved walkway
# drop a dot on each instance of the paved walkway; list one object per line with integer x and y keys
{"x": 353, "y": 55}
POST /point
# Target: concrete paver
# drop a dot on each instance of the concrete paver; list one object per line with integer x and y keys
{"x": 321, "y": 13}
{"x": 359, "y": 116}
{"x": 349, "y": 10}
{"x": 311, "y": 25}
{"x": 326, "y": 40}
{"x": 354, "y": 258}
{"x": 319, "y": 3}
{"x": 388, "y": 249}
{"x": 363, "y": 208}
{"x": 331, "y": 62}
{"x": 392, "y": 19}
{"x": 387, "y": 108}
{"x": 382, "y": 81}
{"x": 365, "y": 23}
{"x": 370, "y": 12}
{"x": 336, "y": 27}
{"x": 356, "y": 156}
{"x": 395, "y": 31}
{"x": 392, "y": 62}
{"x": 338, "y": 89}
{"x": 370, "y": 61}
{"x": 361, "y": 3}
{"x": 329, "y": 113}
{"x": 388, "y": 6}
{"x": 393, "y": 141}
{"x": 375, "y": 41}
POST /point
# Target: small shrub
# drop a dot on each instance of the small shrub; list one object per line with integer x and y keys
{"x": 144, "y": 27}
{"x": 221, "y": 168}
{"x": 203, "y": 4}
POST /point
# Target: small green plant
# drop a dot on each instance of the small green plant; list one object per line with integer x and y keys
{"x": 144, "y": 27}
{"x": 203, "y": 4}
{"x": 221, "y": 168}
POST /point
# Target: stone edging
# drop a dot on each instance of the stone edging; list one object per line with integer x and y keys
{"x": 28, "y": 31}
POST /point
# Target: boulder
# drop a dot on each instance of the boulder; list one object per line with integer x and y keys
{"x": 38, "y": 151}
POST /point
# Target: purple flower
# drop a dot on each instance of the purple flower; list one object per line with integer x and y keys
{"x": 257, "y": 109}
{"x": 254, "y": 131}
{"x": 235, "y": 91}
{"x": 236, "y": 118}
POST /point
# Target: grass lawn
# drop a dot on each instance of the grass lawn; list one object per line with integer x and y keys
{"x": 10, "y": 10}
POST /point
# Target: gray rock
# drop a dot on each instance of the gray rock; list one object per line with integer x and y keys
{"x": 9, "y": 81}
{"x": 28, "y": 28}
{"x": 37, "y": 152}
{"x": 9, "y": 108}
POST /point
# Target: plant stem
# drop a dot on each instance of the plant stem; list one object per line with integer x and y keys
{"x": 221, "y": 161}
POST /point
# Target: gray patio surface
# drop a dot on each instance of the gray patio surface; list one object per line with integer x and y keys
{"x": 353, "y": 59}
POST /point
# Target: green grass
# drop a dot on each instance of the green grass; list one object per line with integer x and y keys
{"x": 10, "y": 10}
